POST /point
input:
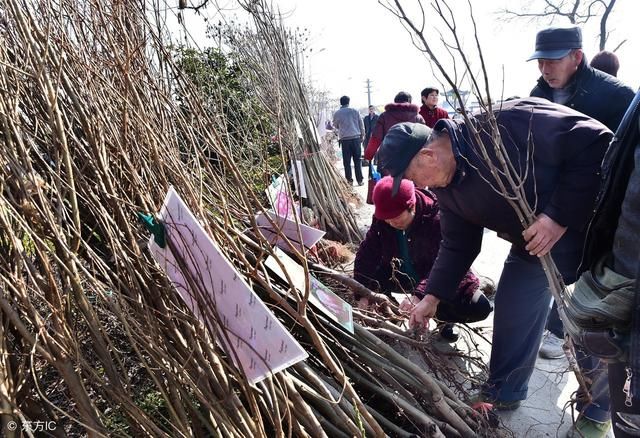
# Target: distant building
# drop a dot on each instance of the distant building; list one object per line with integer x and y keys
{"x": 451, "y": 103}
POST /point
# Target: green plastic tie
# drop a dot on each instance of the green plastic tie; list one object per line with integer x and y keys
{"x": 155, "y": 228}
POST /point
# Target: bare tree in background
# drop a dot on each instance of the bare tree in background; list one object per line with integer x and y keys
{"x": 578, "y": 12}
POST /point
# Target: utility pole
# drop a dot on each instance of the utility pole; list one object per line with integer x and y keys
{"x": 368, "y": 92}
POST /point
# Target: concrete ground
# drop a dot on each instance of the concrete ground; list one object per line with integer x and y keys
{"x": 545, "y": 413}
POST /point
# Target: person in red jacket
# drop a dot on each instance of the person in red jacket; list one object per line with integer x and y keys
{"x": 429, "y": 109}
{"x": 401, "y": 110}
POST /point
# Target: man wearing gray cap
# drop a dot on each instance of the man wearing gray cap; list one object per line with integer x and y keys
{"x": 567, "y": 79}
{"x": 562, "y": 178}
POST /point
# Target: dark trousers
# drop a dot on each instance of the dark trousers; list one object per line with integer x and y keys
{"x": 521, "y": 308}
{"x": 462, "y": 309}
{"x": 595, "y": 372}
{"x": 465, "y": 309}
{"x": 351, "y": 149}
{"x": 554, "y": 323}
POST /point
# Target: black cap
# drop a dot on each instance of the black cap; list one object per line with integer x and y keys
{"x": 556, "y": 42}
{"x": 400, "y": 145}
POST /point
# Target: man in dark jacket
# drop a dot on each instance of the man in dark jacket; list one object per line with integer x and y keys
{"x": 613, "y": 236}
{"x": 369, "y": 123}
{"x": 401, "y": 110}
{"x": 558, "y": 152}
{"x": 400, "y": 248}
{"x": 567, "y": 79}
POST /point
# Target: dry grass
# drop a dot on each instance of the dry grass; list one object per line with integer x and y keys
{"x": 94, "y": 336}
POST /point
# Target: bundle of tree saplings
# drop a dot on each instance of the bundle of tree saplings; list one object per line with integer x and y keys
{"x": 98, "y": 121}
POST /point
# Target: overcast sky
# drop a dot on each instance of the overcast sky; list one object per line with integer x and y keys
{"x": 356, "y": 40}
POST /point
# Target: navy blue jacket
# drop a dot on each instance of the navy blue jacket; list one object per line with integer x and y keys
{"x": 562, "y": 181}
{"x": 594, "y": 93}
{"x": 369, "y": 123}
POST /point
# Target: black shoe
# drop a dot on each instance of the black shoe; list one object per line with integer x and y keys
{"x": 448, "y": 333}
{"x": 360, "y": 183}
